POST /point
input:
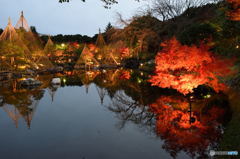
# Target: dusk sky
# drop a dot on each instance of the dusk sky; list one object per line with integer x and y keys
{"x": 76, "y": 17}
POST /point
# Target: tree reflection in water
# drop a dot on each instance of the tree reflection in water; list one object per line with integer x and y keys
{"x": 195, "y": 132}
{"x": 174, "y": 125}
{"x": 128, "y": 109}
{"x": 162, "y": 112}
{"x": 20, "y": 103}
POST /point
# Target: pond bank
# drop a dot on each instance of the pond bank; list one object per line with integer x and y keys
{"x": 231, "y": 137}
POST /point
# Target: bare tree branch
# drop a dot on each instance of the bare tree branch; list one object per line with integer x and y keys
{"x": 169, "y": 9}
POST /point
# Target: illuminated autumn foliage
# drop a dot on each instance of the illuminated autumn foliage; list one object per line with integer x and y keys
{"x": 124, "y": 52}
{"x": 125, "y": 75}
{"x": 75, "y": 45}
{"x": 179, "y": 134}
{"x": 92, "y": 47}
{"x": 235, "y": 13}
{"x": 184, "y": 67}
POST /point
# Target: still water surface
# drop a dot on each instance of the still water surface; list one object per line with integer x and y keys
{"x": 112, "y": 114}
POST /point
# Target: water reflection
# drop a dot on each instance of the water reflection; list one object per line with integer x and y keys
{"x": 52, "y": 89}
{"x": 194, "y": 131}
{"x": 128, "y": 109}
{"x": 191, "y": 126}
{"x": 18, "y": 102}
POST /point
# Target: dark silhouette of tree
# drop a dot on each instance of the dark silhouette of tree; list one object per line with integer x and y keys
{"x": 107, "y": 3}
{"x": 108, "y": 27}
{"x": 69, "y": 38}
{"x": 33, "y": 29}
{"x": 1, "y": 30}
{"x": 169, "y": 9}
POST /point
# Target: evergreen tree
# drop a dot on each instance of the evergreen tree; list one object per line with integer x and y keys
{"x": 33, "y": 29}
{"x": 108, "y": 27}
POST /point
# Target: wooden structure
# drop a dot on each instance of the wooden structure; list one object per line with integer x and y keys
{"x": 86, "y": 59}
{"x": 21, "y": 38}
{"x": 22, "y": 23}
{"x": 49, "y": 47}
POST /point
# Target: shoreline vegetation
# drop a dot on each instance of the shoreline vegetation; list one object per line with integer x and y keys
{"x": 210, "y": 32}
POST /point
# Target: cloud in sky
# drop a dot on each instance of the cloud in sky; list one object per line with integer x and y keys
{"x": 76, "y": 17}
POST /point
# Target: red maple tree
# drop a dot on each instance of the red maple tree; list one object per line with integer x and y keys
{"x": 235, "y": 13}
{"x": 184, "y": 68}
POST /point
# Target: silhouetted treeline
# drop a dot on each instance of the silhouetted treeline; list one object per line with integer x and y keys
{"x": 69, "y": 38}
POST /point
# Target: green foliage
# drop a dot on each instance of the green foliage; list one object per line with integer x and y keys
{"x": 13, "y": 53}
{"x": 196, "y": 15}
{"x": 9, "y": 49}
{"x": 228, "y": 38}
{"x": 196, "y": 33}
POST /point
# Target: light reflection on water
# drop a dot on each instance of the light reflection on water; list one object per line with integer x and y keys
{"x": 105, "y": 114}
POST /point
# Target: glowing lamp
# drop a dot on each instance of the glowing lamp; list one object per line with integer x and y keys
{"x": 207, "y": 96}
{"x": 22, "y": 79}
{"x": 22, "y": 67}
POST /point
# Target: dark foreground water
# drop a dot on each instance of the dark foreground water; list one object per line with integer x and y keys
{"x": 109, "y": 114}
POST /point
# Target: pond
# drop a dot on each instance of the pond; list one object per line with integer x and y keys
{"x": 108, "y": 114}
